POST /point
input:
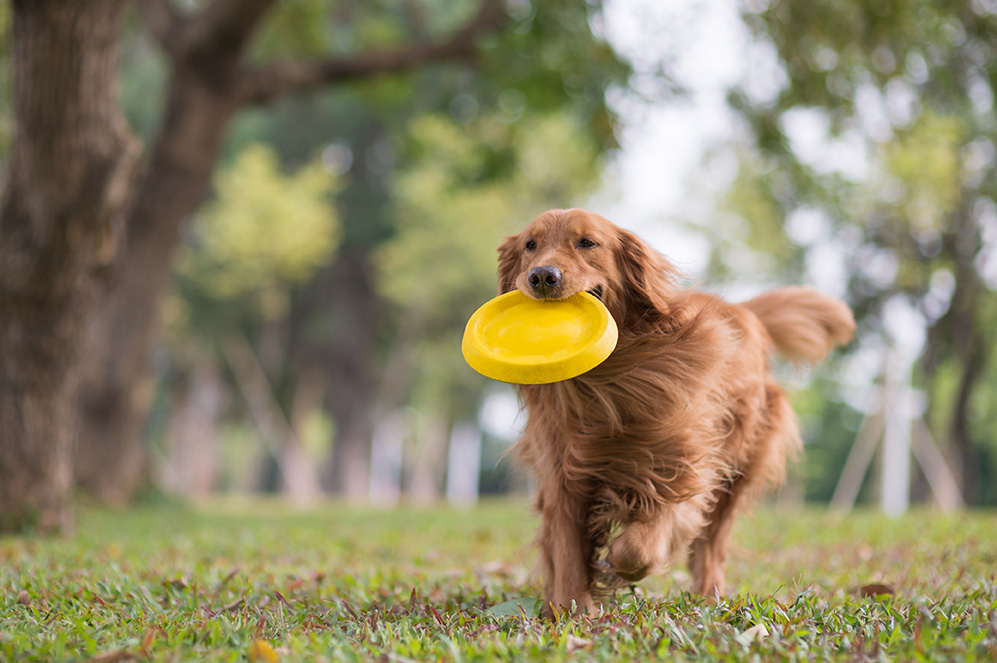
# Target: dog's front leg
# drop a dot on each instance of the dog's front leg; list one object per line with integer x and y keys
{"x": 567, "y": 551}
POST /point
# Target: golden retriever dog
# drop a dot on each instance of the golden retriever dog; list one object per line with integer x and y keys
{"x": 649, "y": 455}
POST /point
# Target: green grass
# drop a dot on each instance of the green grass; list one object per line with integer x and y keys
{"x": 169, "y": 583}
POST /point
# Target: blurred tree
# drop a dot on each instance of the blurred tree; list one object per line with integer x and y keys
{"x": 93, "y": 228}
{"x": 74, "y": 195}
{"x": 339, "y": 336}
{"x": 68, "y": 178}
{"x": 466, "y": 188}
{"x": 263, "y": 234}
{"x": 877, "y": 143}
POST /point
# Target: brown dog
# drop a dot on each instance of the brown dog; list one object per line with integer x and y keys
{"x": 649, "y": 454}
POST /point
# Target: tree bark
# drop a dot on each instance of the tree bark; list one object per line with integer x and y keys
{"x": 112, "y": 461}
{"x": 956, "y": 336}
{"x": 970, "y": 353}
{"x": 60, "y": 224}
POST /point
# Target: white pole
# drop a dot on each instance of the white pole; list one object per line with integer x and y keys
{"x": 895, "y": 469}
{"x": 386, "y": 449}
{"x": 464, "y": 465}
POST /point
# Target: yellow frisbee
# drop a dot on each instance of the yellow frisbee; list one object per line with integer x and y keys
{"x": 514, "y": 338}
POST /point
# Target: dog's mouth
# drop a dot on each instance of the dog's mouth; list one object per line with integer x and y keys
{"x": 557, "y": 294}
{"x": 548, "y": 283}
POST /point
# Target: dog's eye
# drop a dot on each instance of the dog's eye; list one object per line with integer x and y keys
{"x": 586, "y": 243}
{"x": 530, "y": 245}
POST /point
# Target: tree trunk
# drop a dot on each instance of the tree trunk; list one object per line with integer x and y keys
{"x": 351, "y": 375}
{"x": 972, "y": 361}
{"x": 429, "y": 461}
{"x": 956, "y": 335}
{"x": 119, "y": 380}
{"x": 60, "y": 223}
{"x": 193, "y": 452}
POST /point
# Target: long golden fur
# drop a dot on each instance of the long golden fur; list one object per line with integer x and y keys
{"x": 647, "y": 456}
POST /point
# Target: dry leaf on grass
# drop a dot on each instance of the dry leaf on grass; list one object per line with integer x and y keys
{"x": 758, "y": 632}
{"x": 119, "y": 656}
{"x": 574, "y": 644}
{"x": 876, "y": 589}
{"x": 261, "y": 652}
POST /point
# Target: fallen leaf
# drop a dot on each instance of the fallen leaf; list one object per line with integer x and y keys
{"x": 113, "y": 657}
{"x": 221, "y": 585}
{"x": 234, "y": 605}
{"x": 495, "y": 567}
{"x": 179, "y": 583}
{"x": 574, "y": 644}
{"x": 147, "y": 641}
{"x": 756, "y": 633}
{"x": 261, "y": 652}
{"x": 876, "y": 589}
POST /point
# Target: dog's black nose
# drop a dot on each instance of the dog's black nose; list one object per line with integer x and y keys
{"x": 544, "y": 278}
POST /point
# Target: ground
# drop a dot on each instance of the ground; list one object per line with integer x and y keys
{"x": 237, "y": 581}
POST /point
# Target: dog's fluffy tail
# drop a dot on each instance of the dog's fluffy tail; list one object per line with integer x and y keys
{"x": 805, "y": 324}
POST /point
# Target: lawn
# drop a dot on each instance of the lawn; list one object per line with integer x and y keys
{"x": 256, "y": 581}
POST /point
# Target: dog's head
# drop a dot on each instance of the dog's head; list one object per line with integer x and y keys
{"x": 564, "y": 252}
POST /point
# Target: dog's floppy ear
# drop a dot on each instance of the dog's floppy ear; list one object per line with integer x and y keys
{"x": 508, "y": 264}
{"x": 648, "y": 277}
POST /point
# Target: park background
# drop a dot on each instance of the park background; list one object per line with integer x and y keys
{"x": 305, "y": 200}
{"x": 239, "y": 240}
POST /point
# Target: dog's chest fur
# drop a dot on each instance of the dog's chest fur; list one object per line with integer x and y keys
{"x": 644, "y": 429}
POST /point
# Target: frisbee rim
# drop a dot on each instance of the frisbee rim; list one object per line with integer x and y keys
{"x": 526, "y": 369}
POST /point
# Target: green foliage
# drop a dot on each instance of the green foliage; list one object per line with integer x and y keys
{"x": 468, "y": 187}
{"x": 167, "y": 583}
{"x": 926, "y": 159}
{"x": 264, "y": 233}
{"x": 552, "y": 60}
{"x": 471, "y": 186}
{"x": 828, "y": 427}
{"x": 752, "y": 218}
{"x": 906, "y": 89}
{"x": 294, "y": 27}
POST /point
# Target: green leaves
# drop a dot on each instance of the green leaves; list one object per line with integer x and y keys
{"x": 264, "y": 232}
{"x": 926, "y": 160}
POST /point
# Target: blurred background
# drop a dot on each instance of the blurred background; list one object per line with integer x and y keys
{"x": 307, "y": 341}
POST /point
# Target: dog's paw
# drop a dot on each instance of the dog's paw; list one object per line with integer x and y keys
{"x": 606, "y": 580}
{"x": 636, "y": 552}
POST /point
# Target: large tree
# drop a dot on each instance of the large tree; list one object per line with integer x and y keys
{"x": 905, "y": 89}
{"x": 61, "y": 219}
{"x": 88, "y": 233}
